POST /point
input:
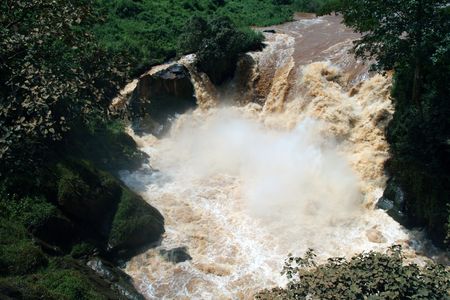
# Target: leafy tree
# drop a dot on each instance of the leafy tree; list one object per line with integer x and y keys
{"x": 397, "y": 33}
{"x": 369, "y": 275}
{"x": 52, "y": 75}
{"x": 218, "y": 44}
{"x": 197, "y": 29}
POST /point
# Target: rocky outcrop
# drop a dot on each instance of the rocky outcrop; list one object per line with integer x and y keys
{"x": 176, "y": 255}
{"x": 74, "y": 235}
{"x": 98, "y": 207}
{"x": 116, "y": 279}
{"x": 161, "y": 93}
{"x": 393, "y": 202}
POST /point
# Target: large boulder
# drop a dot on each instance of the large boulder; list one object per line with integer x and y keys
{"x": 160, "y": 94}
{"x": 135, "y": 224}
{"x": 104, "y": 210}
{"x": 176, "y": 255}
{"x": 393, "y": 202}
{"x": 116, "y": 278}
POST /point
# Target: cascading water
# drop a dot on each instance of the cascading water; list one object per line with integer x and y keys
{"x": 243, "y": 186}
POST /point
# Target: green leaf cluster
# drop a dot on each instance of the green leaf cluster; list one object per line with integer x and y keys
{"x": 53, "y": 76}
{"x": 370, "y": 275}
{"x": 218, "y": 44}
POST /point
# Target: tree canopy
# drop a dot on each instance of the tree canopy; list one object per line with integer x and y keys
{"x": 218, "y": 44}
{"x": 52, "y": 75}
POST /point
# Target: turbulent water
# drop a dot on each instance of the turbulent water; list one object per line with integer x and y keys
{"x": 294, "y": 161}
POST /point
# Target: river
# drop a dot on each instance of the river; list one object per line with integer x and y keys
{"x": 293, "y": 160}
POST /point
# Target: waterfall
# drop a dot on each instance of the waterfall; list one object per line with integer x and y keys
{"x": 293, "y": 161}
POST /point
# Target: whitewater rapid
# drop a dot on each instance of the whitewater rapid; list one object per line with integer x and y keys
{"x": 294, "y": 162}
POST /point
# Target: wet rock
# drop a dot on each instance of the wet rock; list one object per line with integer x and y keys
{"x": 382, "y": 118}
{"x": 354, "y": 91}
{"x": 116, "y": 278}
{"x": 176, "y": 255}
{"x": 375, "y": 236}
{"x": 393, "y": 202}
{"x": 173, "y": 72}
{"x": 136, "y": 224}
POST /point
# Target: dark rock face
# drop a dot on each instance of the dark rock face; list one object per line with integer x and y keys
{"x": 160, "y": 96}
{"x": 176, "y": 255}
{"x": 56, "y": 234}
{"x": 97, "y": 207}
{"x": 136, "y": 224}
{"x": 393, "y": 202}
{"x": 115, "y": 277}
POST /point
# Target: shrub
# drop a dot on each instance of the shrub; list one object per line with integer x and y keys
{"x": 218, "y": 44}
{"x": 31, "y": 211}
{"x": 369, "y": 275}
{"x": 21, "y": 258}
{"x": 18, "y": 254}
{"x": 24, "y": 289}
{"x": 69, "y": 284}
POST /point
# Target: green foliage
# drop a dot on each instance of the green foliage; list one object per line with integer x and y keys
{"x": 69, "y": 284}
{"x": 395, "y": 32}
{"x": 418, "y": 138}
{"x": 135, "y": 222}
{"x": 29, "y": 211}
{"x": 20, "y": 258}
{"x": 21, "y": 288}
{"x": 148, "y": 31}
{"x": 82, "y": 250}
{"x": 218, "y": 44}
{"x": 312, "y": 6}
{"x": 18, "y": 255}
{"x": 11, "y": 232}
{"x": 369, "y": 275}
{"x": 53, "y": 75}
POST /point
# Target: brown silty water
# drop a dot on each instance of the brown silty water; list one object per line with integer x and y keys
{"x": 293, "y": 161}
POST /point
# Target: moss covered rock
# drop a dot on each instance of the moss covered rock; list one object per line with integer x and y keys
{"x": 104, "y": 208}
{"x": 135, "y": 224}
{"x": 87, "y": 195}
{"x": 18, "y": 254}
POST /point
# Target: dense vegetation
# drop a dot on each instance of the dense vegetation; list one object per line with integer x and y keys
{"x": 369, "y": 275}
{"x": 131, "y": 25}
{"x": 53, "y": 75}
{"x": 218, "y": 45}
